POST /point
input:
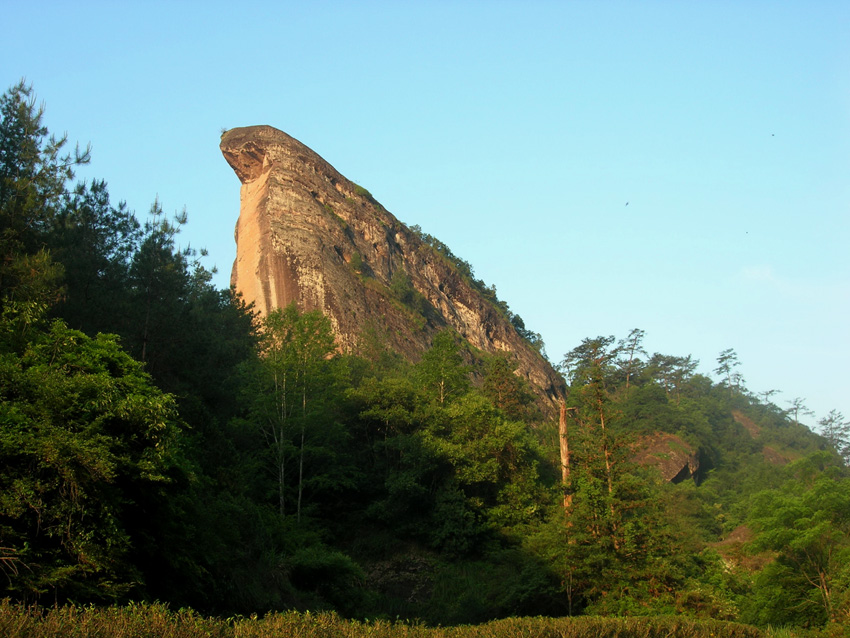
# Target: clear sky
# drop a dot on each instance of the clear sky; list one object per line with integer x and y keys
{"x": 680, "y": 167}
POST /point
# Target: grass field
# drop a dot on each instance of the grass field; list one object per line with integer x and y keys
{"x": 157, "y": 621}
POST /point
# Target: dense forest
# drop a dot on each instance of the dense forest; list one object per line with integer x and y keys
{"x": 160, "y": 442}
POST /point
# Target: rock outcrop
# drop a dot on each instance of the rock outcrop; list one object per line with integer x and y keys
{"x": 770, "y": 453}
{"x": 308, "y": 235}
{"x": 675, "y": 459}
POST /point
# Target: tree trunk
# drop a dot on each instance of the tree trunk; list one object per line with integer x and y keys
{"x": 279, "y": 436}
{"x": 301, "y": 451}
{"x": 564, "y": 442}
{"x": 607, "y": 453}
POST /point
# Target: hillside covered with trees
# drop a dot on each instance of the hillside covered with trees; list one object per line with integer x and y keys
{"x": 160, "y": 442}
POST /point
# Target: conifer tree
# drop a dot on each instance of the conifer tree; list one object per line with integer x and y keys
{"x": 836, "y": 430}
{"x": 33, "y": 177}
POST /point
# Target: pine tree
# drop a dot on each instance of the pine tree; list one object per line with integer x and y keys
{"x": 33, "y": 177}
{"x": 836, "y": 430}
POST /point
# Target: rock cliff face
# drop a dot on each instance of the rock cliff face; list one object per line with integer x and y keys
{"x": 308, "y": 235}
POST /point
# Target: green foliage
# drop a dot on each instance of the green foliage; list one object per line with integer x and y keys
{"x": 533, "y": 338}
{"x": 402, "y": 289}
{"x": 83, "y": 430}
{"x": 357, "y": 263}
{"x": 806, "y": 521}
{"x": 494, "y": 460}
{"x": 442, "y": 372}
{"x": 727, "y": 361}
{"x": 33, "y": 174}
{"x": 289, "y": 391}
{"x": 365, "y": 194}
{"x": 507, "y": 391}
{"x": 33, "y": 170}
{"x": 335, "y": 577}
{"x": 95, "y": 242}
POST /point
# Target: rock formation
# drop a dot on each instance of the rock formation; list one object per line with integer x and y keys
{"x": 308, "y": 235}
{"x": 675, "y": 459}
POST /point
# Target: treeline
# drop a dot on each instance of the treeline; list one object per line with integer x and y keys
{"x": 160, "y": 442}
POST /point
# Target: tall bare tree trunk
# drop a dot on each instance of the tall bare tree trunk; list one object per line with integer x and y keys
{"x": 564, "y": 443}
{"x": 601, "y": 407}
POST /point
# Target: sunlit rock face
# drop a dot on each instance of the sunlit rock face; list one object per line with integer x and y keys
{"x": 308, "y": 235}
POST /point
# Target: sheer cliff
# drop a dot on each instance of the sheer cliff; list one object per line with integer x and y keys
{"x": 308, "y": 235}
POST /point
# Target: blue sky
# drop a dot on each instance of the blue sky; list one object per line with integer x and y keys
{"x": 515, "y": 132}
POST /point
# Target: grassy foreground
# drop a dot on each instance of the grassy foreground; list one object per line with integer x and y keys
{"x": 157, "y": 621}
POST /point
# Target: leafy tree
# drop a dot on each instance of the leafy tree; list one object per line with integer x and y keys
{"x": 806, "y": 521}
{"x": 159, "y": 276}
{"x": 591, "y": 365}
{"x": 83, "y": 432}
{"x": 389, "y": 413}
{"x": 494, "y": 460}
{"x": 534, "y": 339}
{"x": 290, "y": 388}
{"x": 673, "y": 373}
{"x": 591, "y": 362}
{"x": 375, "y": 357}
{"x": 506, "y": 390}
{"x": 442, "y": 371}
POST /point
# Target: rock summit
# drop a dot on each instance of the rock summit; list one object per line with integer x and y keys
{"x": 308, "y": 235}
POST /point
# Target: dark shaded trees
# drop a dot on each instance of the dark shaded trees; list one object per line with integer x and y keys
{"x": 80, "y": 418}
{"x": 95, "y": 242}
{"x": 506, "y": 390}
{"x": 83, "y": 430}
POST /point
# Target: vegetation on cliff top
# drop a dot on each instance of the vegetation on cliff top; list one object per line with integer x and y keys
{"x": 465, "y": 269}
{"x": 159, "y": 442}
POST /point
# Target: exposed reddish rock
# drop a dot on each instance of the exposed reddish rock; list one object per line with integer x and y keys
{"x": 770, "y": 454}
{"x": 675, "y": 458}
{"x": 749, "y": 425}
{"x": 774, "y": 457}
{"x": 308, "y": 235}
{"x": 732, "y": 550}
